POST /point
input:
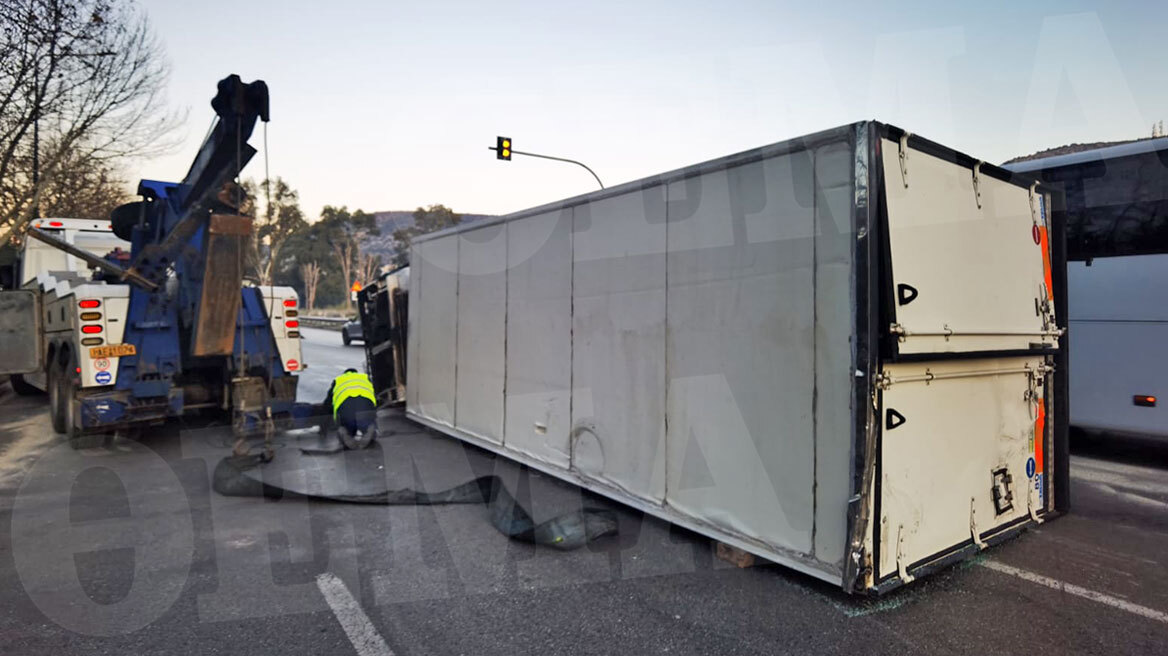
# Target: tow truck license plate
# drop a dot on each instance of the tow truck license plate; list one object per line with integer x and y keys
{"x": 112, "y": 351}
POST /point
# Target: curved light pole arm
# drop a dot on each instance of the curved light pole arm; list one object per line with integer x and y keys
{"x": 559, "y": 159}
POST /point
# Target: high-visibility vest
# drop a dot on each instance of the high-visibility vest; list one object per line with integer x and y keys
{"x": 350, "y": 385}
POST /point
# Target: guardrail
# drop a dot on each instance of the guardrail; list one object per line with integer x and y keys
{"x": 329, "y": 323}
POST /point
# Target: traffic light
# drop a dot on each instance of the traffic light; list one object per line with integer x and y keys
{"x": 503, "y": 148}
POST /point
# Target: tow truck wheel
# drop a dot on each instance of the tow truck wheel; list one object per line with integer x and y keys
{"x": 66, "y": 398}
{"x": 56, "y": 411}
{"x": 67, "y": 394}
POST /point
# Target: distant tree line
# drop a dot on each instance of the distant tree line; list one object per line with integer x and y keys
{"x": 426, "y": 220}
{"x": 320, "y": 259}
{"x": 323, "y": 258}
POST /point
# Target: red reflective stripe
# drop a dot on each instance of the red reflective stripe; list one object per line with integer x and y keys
{"x": 1039, "y": 435}
{"x": 1045, "y": 245}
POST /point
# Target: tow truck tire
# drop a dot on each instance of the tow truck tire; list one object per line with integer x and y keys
{"x": 56, "y": 410}
{"x": 21, "y": 387}
{"x": 68, "y": 394}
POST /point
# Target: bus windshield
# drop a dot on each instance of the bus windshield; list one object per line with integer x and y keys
{"x": 1116, "y": 197}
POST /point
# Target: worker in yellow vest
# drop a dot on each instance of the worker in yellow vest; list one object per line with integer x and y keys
{"x": 354, "y": 409}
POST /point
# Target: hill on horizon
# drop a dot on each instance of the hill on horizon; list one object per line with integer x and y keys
{"x": 1074, "y": 148}
{"x": 391, "y": 220}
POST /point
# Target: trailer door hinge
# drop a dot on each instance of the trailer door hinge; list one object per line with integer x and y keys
{"x": 974, "y": 533}
{"x": 901, "y": 564}
{"x": 903, "y": 152}
{"x": 898, "y": 330}
{"x": 977, "y": 182}
{"x": 1034, "y": 219}
{"x": 1030, "y": 505}
{"x": 1034, "y": 380}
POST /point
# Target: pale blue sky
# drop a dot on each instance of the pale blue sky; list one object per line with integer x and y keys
{"x": 391, "y": 105}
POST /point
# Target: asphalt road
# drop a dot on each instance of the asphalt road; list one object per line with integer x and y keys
{"x": 325, "y": 356}
{"x": 128, "y": 550}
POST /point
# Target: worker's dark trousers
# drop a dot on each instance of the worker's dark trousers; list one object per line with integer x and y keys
{"x": 356, "y": 414}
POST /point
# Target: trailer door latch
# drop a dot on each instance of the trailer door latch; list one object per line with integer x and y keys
{"x": 1003, "y": 495}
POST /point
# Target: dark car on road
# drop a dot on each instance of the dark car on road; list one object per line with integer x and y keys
{"x": 351, "y": 331}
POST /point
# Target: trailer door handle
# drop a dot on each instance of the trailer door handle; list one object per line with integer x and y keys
{"x": 892, "y": 419}
{"x": 905, "y": 294}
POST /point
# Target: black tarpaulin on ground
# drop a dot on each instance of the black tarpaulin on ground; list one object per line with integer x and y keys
{"x": 358, "y": 477}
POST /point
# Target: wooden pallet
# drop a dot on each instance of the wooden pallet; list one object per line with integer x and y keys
{"x": 734, "y": 555}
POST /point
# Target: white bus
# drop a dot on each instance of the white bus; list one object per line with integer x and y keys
{"x": 1117, "y": 283}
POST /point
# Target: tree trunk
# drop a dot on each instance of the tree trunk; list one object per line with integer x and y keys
{"x": 344, "y": 252}
{"x": 310, "y": 272}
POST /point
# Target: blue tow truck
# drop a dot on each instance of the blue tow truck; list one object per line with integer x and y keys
{"x": 176, "y": 331}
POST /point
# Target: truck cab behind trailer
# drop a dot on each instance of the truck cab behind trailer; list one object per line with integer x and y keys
{"x": 91, "y": 235}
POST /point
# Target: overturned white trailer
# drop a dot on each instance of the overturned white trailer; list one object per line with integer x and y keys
{"x": 841, "y": 352}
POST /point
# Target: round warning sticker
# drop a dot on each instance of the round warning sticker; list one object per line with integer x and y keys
{"x": 1030, "y": 468}
{"x": 103, "y": 378}
{"x": 101, "y": 364}
{"x": 292, "y": 365}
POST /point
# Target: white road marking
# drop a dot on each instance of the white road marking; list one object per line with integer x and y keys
{"x": 1129, "y": 477}
{"x": 366, "y": 640}
{"x": 1078, "y": 591}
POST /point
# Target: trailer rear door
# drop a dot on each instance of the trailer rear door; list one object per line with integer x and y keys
{"x": 961, "y": 454}
{"x": 967, "y": 257}
{"x": 965, "y": 384}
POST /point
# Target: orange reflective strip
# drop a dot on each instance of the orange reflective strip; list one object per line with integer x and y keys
{"x": 1045, "y": 244}
{"x": 1039, "y": 435}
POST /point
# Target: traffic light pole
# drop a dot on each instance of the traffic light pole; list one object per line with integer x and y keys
{"x": 558, "y": 159}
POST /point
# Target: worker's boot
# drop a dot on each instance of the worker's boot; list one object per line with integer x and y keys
{"x": 359, "y": 440}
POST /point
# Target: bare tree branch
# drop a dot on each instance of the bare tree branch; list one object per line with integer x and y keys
{"x": 89, "y": 76}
